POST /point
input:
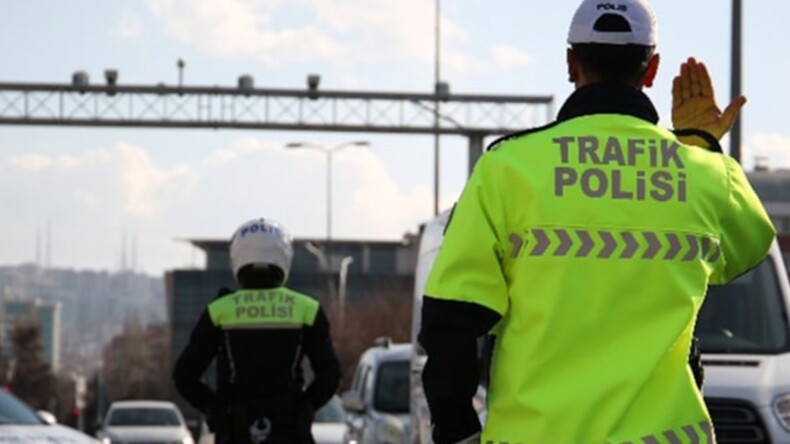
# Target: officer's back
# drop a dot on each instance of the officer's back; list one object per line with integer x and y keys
{"x": 586, "y": 247}
{"x": 259, "y": 335}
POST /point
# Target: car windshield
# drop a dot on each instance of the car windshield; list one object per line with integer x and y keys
{"x": 746, "y": 316}
{"x": 332, "y": 411}
{"x": 143, "y": 416}
{"x": 14, "y": 411}
{"x": 392, "y": 387}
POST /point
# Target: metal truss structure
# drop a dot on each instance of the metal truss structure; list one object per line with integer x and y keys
{"x": 311, "y": 109}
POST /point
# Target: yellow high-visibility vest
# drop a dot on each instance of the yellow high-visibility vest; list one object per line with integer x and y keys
{"x": 595, "y": 239}
{"x": 272, "y": 308}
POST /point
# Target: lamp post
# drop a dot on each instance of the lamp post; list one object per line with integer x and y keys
{"x": 342, "y": 287}
{"x": 323, "y": 260}
{"x": 436, "y": 79}
{"x": 328, "y": 151}
{"x": 181, "y": 64}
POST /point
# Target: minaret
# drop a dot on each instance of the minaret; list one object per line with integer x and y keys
{"x": 134, "y": 253}
{"x": 38, "y": 248}
{"x": 48, "y": 247}
{"x": 123, "y": 252}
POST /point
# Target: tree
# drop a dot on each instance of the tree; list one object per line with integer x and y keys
{"x": 352, "y": 337}
{"x": 135, "y": 366}
{"x": 33, "y": 380}
{"x": 5, "y": 368}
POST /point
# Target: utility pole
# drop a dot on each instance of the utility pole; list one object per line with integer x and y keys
{"x": 437, "y": 77}
{"x": 735, "y": 77}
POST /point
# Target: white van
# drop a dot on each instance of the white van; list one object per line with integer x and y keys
{"x": 744, "y": 335}
{"x": 745, "y": 340}
{"x": 430, "y": 241}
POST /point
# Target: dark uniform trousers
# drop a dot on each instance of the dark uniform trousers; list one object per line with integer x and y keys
{"x": 285, "y": 420}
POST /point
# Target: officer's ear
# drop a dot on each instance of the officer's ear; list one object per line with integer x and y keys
{"x": 651, "y": 71}
{"x": 573, "y": 66}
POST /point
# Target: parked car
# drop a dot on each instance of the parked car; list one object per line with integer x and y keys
{"x": 20, "y": 424}
{"x": 329, "y": 425}
{"x": 378, "y": 401}
{"x": 144, "y": 421}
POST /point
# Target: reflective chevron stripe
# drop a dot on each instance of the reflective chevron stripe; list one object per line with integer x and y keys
{"x": 631, "y": 245}
{"x": 542, "y": 242}
{"x": 674, "y": 246}
{"x": 684, "y": 435}
{"x": 587, "y": 243}
{"x": 611, "y": 244}
{"x": 517, "y": 242}
{"x": 693, "y": 248}
{"x": 565, "y": 243}
{"x": 654, "y": 245}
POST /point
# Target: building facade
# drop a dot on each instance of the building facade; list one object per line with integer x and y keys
{"x": 47, "y": 314}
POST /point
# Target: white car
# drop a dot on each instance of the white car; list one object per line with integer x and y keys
{"x": 329, "y": 423}
{"x": 20, "y": 424}
{"x": 129, "y": 422}
{"x": 378, "y": 402}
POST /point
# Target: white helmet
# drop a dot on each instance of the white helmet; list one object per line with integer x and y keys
{"x": 261, "y": 242}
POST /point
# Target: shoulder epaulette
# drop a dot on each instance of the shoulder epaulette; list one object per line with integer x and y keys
{"x": 493, "y": 145}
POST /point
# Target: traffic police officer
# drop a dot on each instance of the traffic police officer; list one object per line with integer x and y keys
{"x": 586, "y": 247}
{"x": 259, "y": 335}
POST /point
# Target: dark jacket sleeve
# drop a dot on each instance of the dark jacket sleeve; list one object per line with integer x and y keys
{"x": 449, "y": 335}
{"x": 193, "y": 361}
{"x": 326, "y": 367}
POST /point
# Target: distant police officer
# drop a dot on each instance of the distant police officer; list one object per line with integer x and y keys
{"x": 259, "y": 335}
{"x": 587, "y": 247}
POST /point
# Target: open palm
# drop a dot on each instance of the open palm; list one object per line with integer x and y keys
{"x": 694, "y": 105}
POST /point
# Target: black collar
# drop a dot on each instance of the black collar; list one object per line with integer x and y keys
{"x": 608, "y": 98}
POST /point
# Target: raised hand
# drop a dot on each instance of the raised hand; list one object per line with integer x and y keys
{"x": 694, "y": 105}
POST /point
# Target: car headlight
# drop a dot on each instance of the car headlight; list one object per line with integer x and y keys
{"x": 389, "y": 430}
{"x": 782, "y": 410}
{"x": 187, "y": 440}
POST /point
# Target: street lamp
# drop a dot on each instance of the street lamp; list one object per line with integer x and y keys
{"x": 181, "y": 64}
{"x": 328, "y": 151}
{"x": 322, "y": 259}
{"x": 344, "y": 264}
{"x": 436, "y": 81}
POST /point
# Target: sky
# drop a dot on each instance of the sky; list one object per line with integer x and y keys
{"x": 104, "y": 197}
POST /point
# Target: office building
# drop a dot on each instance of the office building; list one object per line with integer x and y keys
{"x": 46, "y": 314}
